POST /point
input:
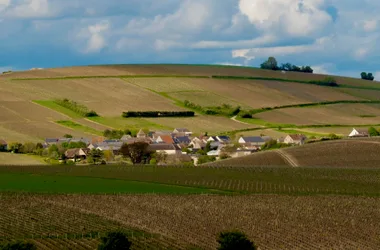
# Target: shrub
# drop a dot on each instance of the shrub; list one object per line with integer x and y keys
{"x": 205, "y": 158}
{"x": 115, "y": 241}
{"x": 373, "y": 132}
{"x": 334, "y": 137}
{"x": 19, "y": 245}
{"x": 158, "y": 114}
{"x": 234, "y": 240}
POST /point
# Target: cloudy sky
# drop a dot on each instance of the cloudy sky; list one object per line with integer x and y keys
{"x": 333, "y": 36}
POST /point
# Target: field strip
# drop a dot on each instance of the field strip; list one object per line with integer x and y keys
{"x": 14, "y": 112}
{"x": 68, "y": 117}
{"x": 78, "y": 127}
{"x": 99, "y": 123}
{"x": 108, "y": 76}
{"x": 288, "y": 158}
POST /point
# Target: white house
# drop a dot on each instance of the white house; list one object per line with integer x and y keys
{"x": 197, "y": 143}
{"x": 215, "y": 153}
{"x": 169, "y": 149}
{"x": 297, "y": 139}
{"x": 184, "y": 131}
{"x": 252, "y": 140}
{"x": 359, "y": 133}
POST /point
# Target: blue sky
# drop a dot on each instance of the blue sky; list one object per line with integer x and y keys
{"x": 333, "y": 36}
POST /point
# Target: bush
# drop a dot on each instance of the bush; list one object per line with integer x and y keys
{"x": 373, "y": 132}
{"x": 334, "y": 137}
{"x": 158, "y": 114}
{"x": 115, "y": 241}
{"x": 76, "y": 107}
{"x": 234, "y": 240}
{"x": 19, "y": 245}
{"x": 205, "y": 159}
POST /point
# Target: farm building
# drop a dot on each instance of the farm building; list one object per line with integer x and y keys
{"x": 220, "y": 138}
{"x": 184, "y": 131}
{"x": 141, "y": 134}
{"x": 170, "y": 149}
{"x": 297, "y": 139}
{"x": 359, "y": 133}
{"x": 165, "y": 139}
{"x": 3, "y": 145}
{"x": 252, "y": 141}
{"x": 197, "y": 143}
{"x": 77, "y": 153}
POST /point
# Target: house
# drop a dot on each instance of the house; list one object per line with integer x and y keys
{"x": 215, "y": 153}
{"x": 92, "y": 146}
{"x": 280, "y": 140}
{"x": 197, "y": 143}
{"x": 3, "y": 146}
{"x": 85, "y": 140}
{"x": 51, "y": 141}
{"x": 223, "y": 138}
{"x": 77, "y": 153}
{"x": 184, "y": 131}
{"x": 266, "y": 138}
{"x": 165, "y": 139}
{"x": 170, "y": 149}
{"x": 297, "y": 139}
{"x": 252, "y": 141}
{"x": 125, "y": 138}
{"x": 359, "y": 133}
{"x": 242, "y": 152}
{"x": 141, "y": 134}
{"x": 182, "y": 141}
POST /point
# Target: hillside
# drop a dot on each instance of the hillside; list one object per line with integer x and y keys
{"x": 349, "y": 153}
{"x": 28, "y": 112}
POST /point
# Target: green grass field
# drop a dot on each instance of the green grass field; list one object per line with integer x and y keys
{"x": 251, "y": 180}
{"x": 79, "y": 127}
{"x": 54, "y": 106}
{"x": 17, "y": 182}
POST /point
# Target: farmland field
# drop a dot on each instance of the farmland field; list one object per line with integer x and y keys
{"x": 303, "y": 208}
{"x": 360, "y": 114}
{"x": 19, "y": 159}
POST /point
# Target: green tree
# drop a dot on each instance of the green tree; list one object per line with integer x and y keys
{"x": 15, "y": 147}
{"x": 367, "y": 76}
{"x": 96, "y": 155}
{"x": 19, "y": 245}
{"x": 373, "y": 132}
{"x": 115, "y": 241}
{"x": 208, "y": 147}
{"x": 234, "y": 240}
{"x": 271, "y": 63}
{"x": 67, "y": 136}
{"x": 28, "y": 148}
{"x": 136, "y": 152}
{"x": 205, "y": 158}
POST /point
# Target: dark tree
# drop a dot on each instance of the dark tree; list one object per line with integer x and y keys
{"x": 286, "y": 66}
{"x": 19, "y": 245}
{"x": 235, "y": 240}
{"x": 96, "y": 155}
{"x": 68, "y": 136}
{"x": 271, "y": 63}
{"x": 367, "y": 76}
{"x": 373, "y": 132}
{"x": 137, "y": 151}
{"x": 115, "y": 241}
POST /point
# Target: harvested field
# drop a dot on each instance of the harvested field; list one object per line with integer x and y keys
{"x": 128, "y": 123}
{"x": 362, "y": 93}
{"x": 204, "y": 99}
{"x": 201, "y": 124}
{"x": 162, "y": 69}
{"x": 13, "y": 136}
{"x": 109, "y": 97}
{"x": 341, "y": 153}
{"x": 165, "y": 84}
{"x": 19, "y": 159}
{"x": 271, "y": 221}
{"x": 268, "y": 158}
{"x": 330, "y": 114}
{"x": 267, "y": 132}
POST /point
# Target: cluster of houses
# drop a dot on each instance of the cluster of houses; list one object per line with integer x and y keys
{"x": 179, "y": 143}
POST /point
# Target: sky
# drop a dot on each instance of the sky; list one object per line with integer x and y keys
{"x": 333, "y": 36}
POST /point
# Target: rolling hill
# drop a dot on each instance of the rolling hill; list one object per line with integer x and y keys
{"x": 28, "y": 112}
{"x": 348, "y": 153}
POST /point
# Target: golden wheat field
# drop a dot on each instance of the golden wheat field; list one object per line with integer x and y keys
{"x": 271, "y": 221}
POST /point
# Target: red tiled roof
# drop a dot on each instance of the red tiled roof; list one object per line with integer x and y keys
{"x": 167, "y": 139}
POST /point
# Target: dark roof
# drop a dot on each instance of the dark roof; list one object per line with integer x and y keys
{"x": 224, "y": 138}
{"x": 111, "y": 140}
{"x": 51, "y": 140}
{"x": 253, "y": 139}
{"x": 182, "y": 139}
{"x": 297, "y": 137}
{"x": 2, "y": 142}
{"x": 71, "y": 153}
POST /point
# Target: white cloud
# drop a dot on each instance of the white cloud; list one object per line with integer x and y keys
{"x": 5, "y": 68}
{"x": 370, "y": 25}
{"x": 30, "y": 9}
{"x": 262, "y": 40}
{"x": 95, "y": 36}
{"x": 377, "y": 75}
{"x": 294, "y": 17}
{"x": 4, "y": 4}
{"x": 360, "y": 53}
{"x": 228, "y": 64}
{"x": 324, "y": 69}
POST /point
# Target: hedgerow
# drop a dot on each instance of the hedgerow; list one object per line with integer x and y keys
{"x": 158, "y": 114}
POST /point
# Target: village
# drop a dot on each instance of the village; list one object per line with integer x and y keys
{"x": 160, "y": 147}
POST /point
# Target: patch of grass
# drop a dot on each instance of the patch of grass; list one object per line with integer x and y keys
{"x": 16, "y": 182}
{"x": 76, "y": 107}
{"x": 307, "y": 133}
{"x": 56, "y": 107}
{"x": 367, "y": 116}
{"x": 79, "y": 127}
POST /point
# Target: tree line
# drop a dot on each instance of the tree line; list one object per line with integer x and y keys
{"x": 158, "y": 114}
{"x": 118, "y": 240}
{"x": 272, "y": 64}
